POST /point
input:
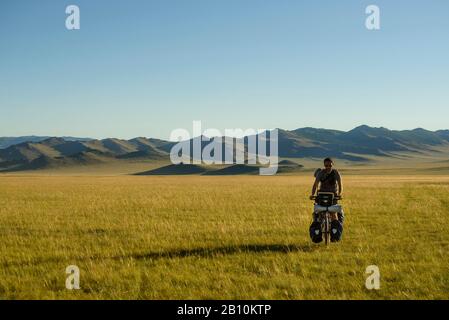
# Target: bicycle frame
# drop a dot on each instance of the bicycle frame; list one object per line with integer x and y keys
{"x": 324, "y": 216}
{"x": 325, "y": 219}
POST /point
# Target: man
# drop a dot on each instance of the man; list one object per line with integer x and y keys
{"x": 328, "y": 180}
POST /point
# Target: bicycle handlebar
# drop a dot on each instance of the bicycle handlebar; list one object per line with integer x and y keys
{"x": 336, "y": 197}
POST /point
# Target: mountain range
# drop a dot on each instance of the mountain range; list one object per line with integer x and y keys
{"x": 5, "y": 142}
{"x": 358, "y": 145}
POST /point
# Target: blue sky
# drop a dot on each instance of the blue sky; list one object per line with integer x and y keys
{"x": 144, "y": 68}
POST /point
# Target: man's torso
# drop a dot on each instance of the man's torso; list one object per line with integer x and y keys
{"x": 328, "y": 181}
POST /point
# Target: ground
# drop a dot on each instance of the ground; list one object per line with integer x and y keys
{"x": 225, "y": 237}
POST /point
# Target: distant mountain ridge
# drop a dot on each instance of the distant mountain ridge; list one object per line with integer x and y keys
{"x": 362, "y": 140}
{"x": 6, "y": 142}
{"x": 57, "y": 151}
{"x": 354, "y": 145}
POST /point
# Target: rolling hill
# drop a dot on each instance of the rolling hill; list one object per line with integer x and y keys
{"x": 53, "y": 152}
{"x": 5, "y": 142}
{"x": 359, "y": 145}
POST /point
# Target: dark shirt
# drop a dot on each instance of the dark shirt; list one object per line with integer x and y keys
{"x": 328, "y": 181}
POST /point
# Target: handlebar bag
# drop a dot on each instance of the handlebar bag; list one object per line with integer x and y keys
{"x": 325, "y": 199}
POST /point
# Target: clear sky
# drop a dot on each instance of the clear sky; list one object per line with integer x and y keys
{"x": 144, "y": 68}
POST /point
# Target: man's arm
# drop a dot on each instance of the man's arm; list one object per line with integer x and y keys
{"x": 340, "y": 184}
{"x": 315, "y": 186}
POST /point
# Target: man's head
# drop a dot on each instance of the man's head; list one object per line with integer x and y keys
{"x": 328, "y": 164}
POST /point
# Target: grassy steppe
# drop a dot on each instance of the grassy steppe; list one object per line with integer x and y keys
{"x": 219, "y": 237}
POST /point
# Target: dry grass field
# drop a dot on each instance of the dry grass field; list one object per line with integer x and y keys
{"x": 228, "y": 237}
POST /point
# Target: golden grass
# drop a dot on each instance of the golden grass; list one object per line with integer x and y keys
{"x": 234, "y": 237}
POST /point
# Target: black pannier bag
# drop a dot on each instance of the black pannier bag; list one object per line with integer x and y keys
{"x": 315, "y": 232}
{"x": 325, "y": 199}
{"x": 336, "y": 231}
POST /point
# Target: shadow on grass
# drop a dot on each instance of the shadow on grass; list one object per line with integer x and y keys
{"x": 206, "y": 252}
{"x": 211, "y": 252}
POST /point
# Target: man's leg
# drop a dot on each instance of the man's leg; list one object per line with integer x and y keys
{"x": 341, "y": 216}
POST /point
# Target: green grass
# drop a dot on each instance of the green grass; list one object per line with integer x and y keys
{"x": 243, "y": 237}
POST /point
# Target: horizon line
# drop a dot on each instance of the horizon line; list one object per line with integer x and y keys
{"x": 149, "y": 137}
